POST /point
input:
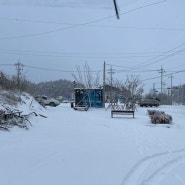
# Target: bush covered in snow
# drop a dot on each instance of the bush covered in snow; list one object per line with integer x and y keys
{"x": 159, "y": 117}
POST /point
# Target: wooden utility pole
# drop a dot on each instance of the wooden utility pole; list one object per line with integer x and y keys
{"x": 161, "y": 72}
{"x": 104, "y": 85}
{"x": 171, "y": 88}
{"x": 111, "y": 79}
{"x": 116, "y": 9}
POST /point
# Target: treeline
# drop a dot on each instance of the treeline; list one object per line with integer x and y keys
{"x": 51, "y": 88}
{"x": 55, "y": 88}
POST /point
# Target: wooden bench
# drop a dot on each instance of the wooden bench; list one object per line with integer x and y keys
{"x": 122, "y": 112}
{"x": 81, "y": 107}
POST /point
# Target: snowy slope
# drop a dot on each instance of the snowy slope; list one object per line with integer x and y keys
{"x": 79, "y": 148}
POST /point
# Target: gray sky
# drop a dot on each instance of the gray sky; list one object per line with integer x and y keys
{"x": 50, "y": 38}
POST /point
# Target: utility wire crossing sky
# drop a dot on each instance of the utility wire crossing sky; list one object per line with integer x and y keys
{"x": 60, "y": 35}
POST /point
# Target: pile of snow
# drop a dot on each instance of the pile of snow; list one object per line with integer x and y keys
{"x": 29, "y": 104}
{"x": 22, "y": 101}
{"x": 89, "y": 147}
{"x": 16, "y": 109}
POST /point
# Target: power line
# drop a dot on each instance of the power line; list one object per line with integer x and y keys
{"x": 98, "y": 26}
{"x": 58, "y": 70}
{"x": 165, "y": 55}
{"x": 82, "y": 24}
{"x": 68, "y": 71}
{"x": 144, "y": 6}
{"x": 94, "y": 53}
{"x": 75, "y": 71}
{"x": 137, "y": 28}
{"x": 6, "y": 64}
{"x": 132, "y": 69}
{"x": 135, "y": 71}
{"x": 164, "y": 75}
{"x": 85, "y": 55}
{"x": 36, "y": 21}
{"x": 115, "y": 71}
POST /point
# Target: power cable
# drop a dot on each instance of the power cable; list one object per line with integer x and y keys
{"x": 169, "y": 74}
{"x": 82, "y": 24}
{"x": 158, "y": 59}
{"x": 90, "y": 53}
{"x": 98, "y": 26}
{"x": 7, "y": 64}
{"x": 57, "y": 70}
{"x": 82, "y": 55}
{"x": 131, "y": 68}
{"x": 136, "y": 71}
{"x": 144, "y": 6}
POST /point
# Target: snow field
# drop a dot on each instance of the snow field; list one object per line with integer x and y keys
{"x": 89, "y": 147}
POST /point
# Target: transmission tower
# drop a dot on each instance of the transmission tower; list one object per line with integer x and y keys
{"x": 19, "y": 68}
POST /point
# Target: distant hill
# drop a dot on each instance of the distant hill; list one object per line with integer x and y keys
{"x": 54, "y": 88}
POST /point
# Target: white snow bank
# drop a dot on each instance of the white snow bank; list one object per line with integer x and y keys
{"x": 89, "y": 147}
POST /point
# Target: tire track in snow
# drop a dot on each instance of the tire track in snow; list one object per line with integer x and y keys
{"x": 179, "y": 179}
{"x": 137, "y": 176}
{"x": 157, "y": 175}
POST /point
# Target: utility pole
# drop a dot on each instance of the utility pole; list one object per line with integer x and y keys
{"x": 116, "y": 9}
{"x": 161, "y": 72}
{"x": 111, "y": 79}
{"x": 19, "y": 68}
{"x": 154, "y": 90}
{"x": 171, "y": 95}
{"x": 104, "y": 85}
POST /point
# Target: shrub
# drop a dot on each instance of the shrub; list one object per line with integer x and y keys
{"x": 159, "y": 117}
{"x": 152, "y": 112}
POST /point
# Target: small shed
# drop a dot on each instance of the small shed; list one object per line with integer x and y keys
{"x": 89, "y": 97}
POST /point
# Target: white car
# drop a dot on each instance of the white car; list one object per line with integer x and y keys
{"x": 44, "y": 100}
{"x": 65, "y": 101}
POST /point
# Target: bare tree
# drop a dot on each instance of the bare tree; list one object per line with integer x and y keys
{"x": 78, "y": 79}
{"x": 86, "y": 77}
{"x": 6, "y": 82}
{"x": 134, "y": 91}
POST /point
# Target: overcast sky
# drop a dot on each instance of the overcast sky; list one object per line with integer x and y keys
{"x": 52, "y": 37}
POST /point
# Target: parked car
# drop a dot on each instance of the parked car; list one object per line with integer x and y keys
{"x": 149, "y": 102}
{"x": 65, "y": 101}
{"x": 59, "y": 98}
{"x": 44, "y": 100}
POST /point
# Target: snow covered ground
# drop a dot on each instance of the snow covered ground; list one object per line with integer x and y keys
{"x": 91, "y": 148}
